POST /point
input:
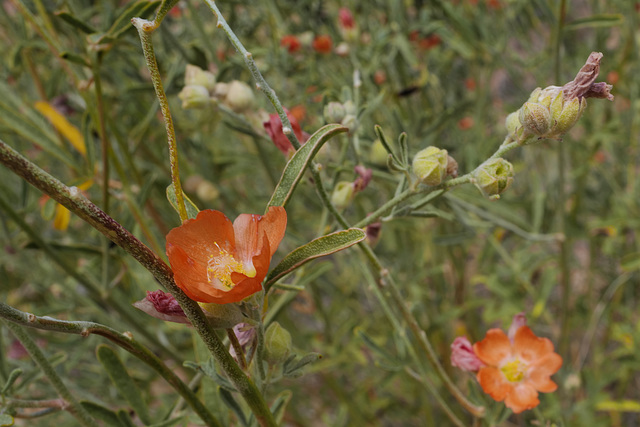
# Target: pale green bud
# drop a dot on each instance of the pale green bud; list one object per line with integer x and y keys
{"x": 240, "y": 97}
{"x": 430, "y": 165}
{"x": 512, "y": 122}
{"x": 494, "y": 176}
{"x": 222, "y": 316}
{"x": 334, "y": 112}
{"x": 196, "y": 76}
{"x": 350, "y": 121}
{"x": 565, "y": 113}
{"x": 350, "y": 108}
{"x": 343, "y": 194}
{"x": 535, "y": 95}
{"x": 378, "y": 154}
{"x": 535, "y": 118}
{"x": 277, "y": 344}
{"x": 194, "y": 97}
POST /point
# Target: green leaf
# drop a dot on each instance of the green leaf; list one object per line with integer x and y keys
{"x": 13, "y": 376}
{"x": 619, "y": 406}
{"x": 101, "y": 413}
{"x": 299, "y": 162}
{"x": 228, "y": 399}
{"x": 123, "y": 22}
{"x": 209, "y": 370}
{"x": 75, "y": 22}
{"x": 6, "y": 420}
{"x": 123, "y": 382}
{"x": 192, "y": 209}
{"x": 279, "y": 405}
{"x": 294, "y": 370}
{"x": 75, "y": 58}
{"x": 169, "y": 423}
{"x": 125, "y": 419}
{"x": 316, "y": 248}
{"x": 593, "y": 21}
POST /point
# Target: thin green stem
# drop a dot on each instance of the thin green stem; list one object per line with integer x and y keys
{"x": 145, "y": 30}
{"x": 36, "y": 354}
{"x": 124, "y": 340}
{"x": 261, "y": 83}
{"x": 72, "y": 199}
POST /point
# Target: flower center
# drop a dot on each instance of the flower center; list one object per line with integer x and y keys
{"x": 514, "y": 370}
{"x": 221, "y": 266}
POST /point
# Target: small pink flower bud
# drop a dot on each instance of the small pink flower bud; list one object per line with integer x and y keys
{"x": 519, "y": 320}
{"x": 463, "y": 356}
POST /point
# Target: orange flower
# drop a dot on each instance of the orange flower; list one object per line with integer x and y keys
{"x": 322, "y": 44}
{"x": 516, "y": 370}
{"x": 215, "y": 261}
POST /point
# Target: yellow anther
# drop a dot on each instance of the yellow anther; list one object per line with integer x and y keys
{"x": 514, "y": 370}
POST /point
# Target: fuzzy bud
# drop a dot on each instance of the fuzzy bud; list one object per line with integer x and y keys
{"x": 196, "y": 76}
{"x": 494, "y": 177}
{"x": 334, "y": 112}
{"x": 240, "y": 97}
{"x": 378, "y": 154}
{"x": 430, "y": 165}
{"x": 194, "y": 97}
{"x": 463, "y": 356}
{"x": 512, "y": 123}
{"x": 535, "y": 118}
{"x": 343, "y": 194}
{"x": 277, "y": 343}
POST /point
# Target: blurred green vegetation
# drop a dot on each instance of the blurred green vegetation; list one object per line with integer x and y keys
{"x": 445, "y": 72}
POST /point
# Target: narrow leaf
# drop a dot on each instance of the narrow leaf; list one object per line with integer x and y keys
{"x": 280, "y": 405}
{"x": 169, "y": 423}
{"x": 101, "y": 413}
{"x": 593, "y": 21}
{"x": 13, "y": 376}
{"x": 299, "y": 162}
{"x": 316, "y": 248}
{"x": 192, "y": 209}
{"x": 619, "y": 406}
{"x": 123, "y": 382}
{"x": 75, "y": 58}
{"x": 78, "y": 23}
{"x": 228, "y": 399}
{"x": 291, "y": 369}
{"x": 123, "y": 22}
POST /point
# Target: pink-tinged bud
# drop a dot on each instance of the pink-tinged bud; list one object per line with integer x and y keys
{"x": 246, "y": 335}
{"x": 363, "y": 179}
{"x": 519, "y": 320}
{"x": 162, "y": 306}
{"x": 346, "y": 18}
{"x": 373, "y": 233}
{"x": 463, "y": 356}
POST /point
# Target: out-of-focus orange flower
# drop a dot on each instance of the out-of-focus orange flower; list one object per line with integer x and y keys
{"x": 465, "y": 123}
{"x": 299, "y": 112}
{"x": 494, "y": 4}
{"x": 216, "y": 261}
{"x": 291, "y": 42}
{"x": 470, "y": 83}
{"x": 430, "y": 42}
{"x": 516, "y": 370}
{"x": 322, "y": 44}
{"x": 379, "y": 77}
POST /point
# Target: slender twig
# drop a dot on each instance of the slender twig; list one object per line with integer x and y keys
{"x": 41, "y": 360}
{"x": 124, "y": 340}
{"x": 145, "y": 29}
{"x": 72, "y": 199}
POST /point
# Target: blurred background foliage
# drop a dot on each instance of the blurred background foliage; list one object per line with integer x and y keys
{"x": 445, "y": 72}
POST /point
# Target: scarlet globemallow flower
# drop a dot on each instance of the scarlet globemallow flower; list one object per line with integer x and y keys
{"x": 518, "y": 368}
{"x": 274, "y": 129}
{"x": 217, "y": 261}
{"x": 322, "y": 44}
{"x": 291, "y": 42}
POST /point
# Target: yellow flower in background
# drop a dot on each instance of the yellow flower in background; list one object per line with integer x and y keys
{"x": 62, "y": 215}
{"x": 62, "y": 125}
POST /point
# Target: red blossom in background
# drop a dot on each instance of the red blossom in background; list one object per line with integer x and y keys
{"x": 273, "y": 126}
{"x": 322, "y": 44}
{"x": 346, "y": 18}
{"x": 290, "y": 42}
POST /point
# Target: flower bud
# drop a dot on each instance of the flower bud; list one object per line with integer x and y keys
{"x": 334, "y": 112}
{"x": 222, "y": 316}
{"x": 430, "y": 165}
{"x": 452, "y": 167}
{"x": 207, "y": 191}
{"x": 463, "y": 356}
{"x": 378, "y": 154}
{"x": 343, "y": 49}
{"x": 512, "y": 122}
{"x": 350, "y": 121}
{"x": 194, "y": 97}
{"x": 494, "y": 176}
{"x": 566, "y": 113}
{"x": 535, "y": 118}
{"x": 343, "y": 194}
{"x": 240, "y": 97}
{"x": 277, "y": 343}
{"x": 196, "y": 76}
{"x": 350, "y": 108}
{"x": 220, "y": 90}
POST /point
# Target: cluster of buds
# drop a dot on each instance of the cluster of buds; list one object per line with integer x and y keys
{"x": 201, "y": 90}
{"x": 553, "y": 111}
{"x": 432, "y": 165}
{"x": 342, "y": 113}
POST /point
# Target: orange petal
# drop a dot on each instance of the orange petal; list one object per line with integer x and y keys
{"x": 521, "y": 398}
{"x": 494, "y": 348}
{"x": 189, "y": 275}
{"x": 529, "y": 347}
{"x": 541, "y": 370}
{"x": 494, "y": 383}
{"x": 251, "y": 229}
{"x": 198, "y": 237}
